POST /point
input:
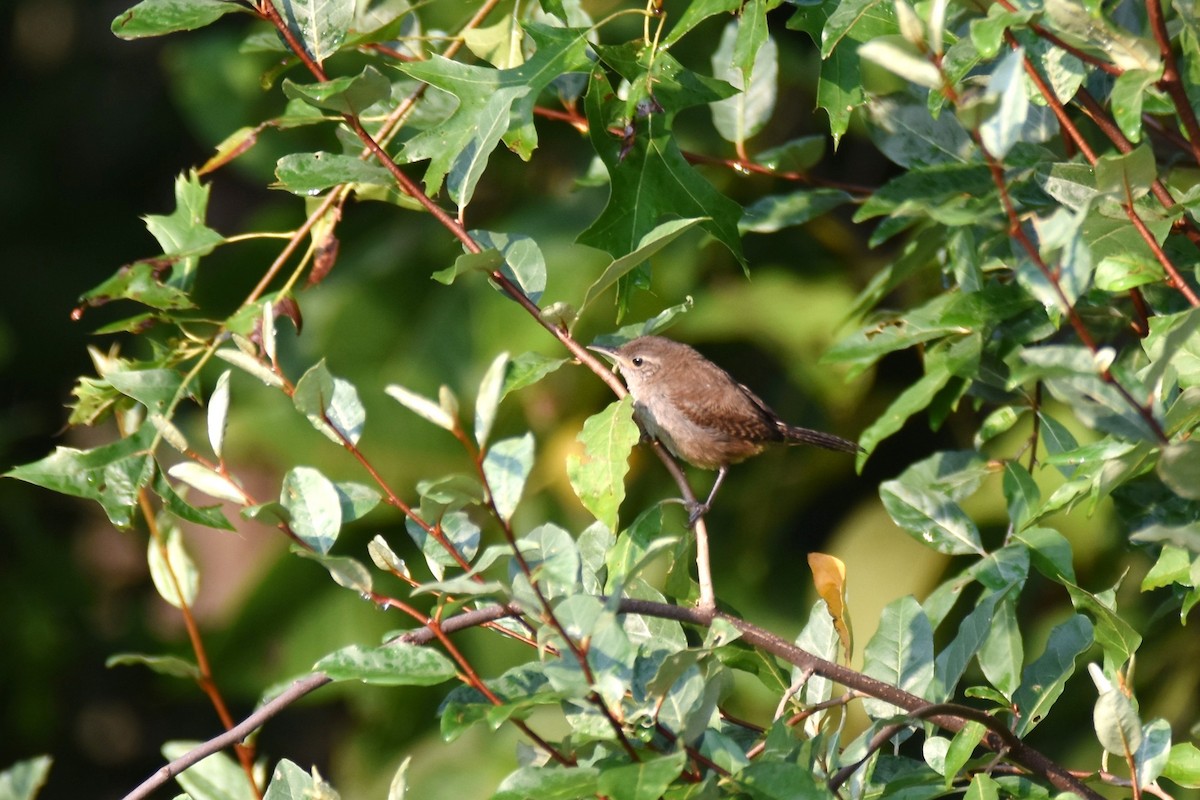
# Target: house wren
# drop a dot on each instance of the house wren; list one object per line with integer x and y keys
{"x": 699, "y": 412}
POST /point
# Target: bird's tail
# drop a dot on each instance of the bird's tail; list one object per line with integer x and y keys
{"x": 795, "y": 435}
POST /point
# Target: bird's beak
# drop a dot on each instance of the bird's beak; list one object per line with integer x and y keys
{"x": 608, "y": 352}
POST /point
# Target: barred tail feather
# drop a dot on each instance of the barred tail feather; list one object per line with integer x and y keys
{"x": 796, "y": 435}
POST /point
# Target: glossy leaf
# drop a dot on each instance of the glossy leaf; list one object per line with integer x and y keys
{"x": 650, "y": 179}
{"x": 331, "y": 404}
{"x": 507, "y": 465}
{"x": 314, "y": 507}
{"x": 219, "y": 775}
{"x": 159, "y": 17}
{"x": 900, "y": 653}
{"x": 1043, "y": 680}
{"x": 598, "y": 476}
{"x": 345, "y": 571}
{"x": 930, "y": 519}
{"x": 347, "y": 95}
{"x": 492, "y": 104}
{"x": 312, "y": 173}
{"x": 110, "y": 474}
{"x": 650, "y": 244}
{"x": 320, "y": 25}
{"x": 395, "y": 664}
{"x": 744, "y": 115}
{"x": 487, "y": 400}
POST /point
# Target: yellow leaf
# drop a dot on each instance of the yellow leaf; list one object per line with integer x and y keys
{"x": 829, "y": 578}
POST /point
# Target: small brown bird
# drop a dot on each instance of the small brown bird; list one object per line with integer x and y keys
{"x": 699, "y": 412}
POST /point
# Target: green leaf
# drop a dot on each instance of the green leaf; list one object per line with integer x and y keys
{"x": 1126, "y": 50}
{"x": 352, "y": 94}
{"x": 1002, "y": 653}
{"x": 141, "y": 282}
{"x": 498, "y": 44}
{"x": 1049, "y": 551}
{"x": 331, "y": 404}
{"x": 1043, "y": 681}
{"x": 290, "y": 782}
{"x": 523, "y": 262}
{"x": 952, "y": 662}
{"x": 773, "y": 780}
{"x": 492, "y": 104}
{"x": 887, "y": 333}
{"x": 962, "y": 746}
{"x": 1021, "y": 494}
{"x": 458, "y": 529}
{"x": 395, "y": 664}
{"x": 900, "y": 653}
{"x": 913, "y": 399}
{"x": 487, "y": 400}
{"x": 345, "y": 571}
{"x": 506, "y": 467}
{"x": 1004, "y": 127}
{"x": 164, "y": 665}
{"x": 314, "y": 507}
{"x": 159, "y": 17}
{"x": 24, "y": 779}
{"x": 797, "y": 155}
{"x": 356, "y": 500}
{"x": 651, "y": 243}
{"x": 1126, "y": 176}
{"x": 310, "y": 173}
{"x": 156, "y": 389}
{"x": 320, "y": 25}
{"x": 174, "y": 573}
{"x": 598, "y": 476}
{"x": 217, "y": 776}
{"x": 983, "y": 787}
{"x": 1183, "y": 766}
{"x": 1117, "y": 725}
{"x": 930, "y": 519}
{"x": 648, "y": 176}
{"x": 1128, "y": 93}
{"x": 744, "y": 115}
{"x": 553, "y": 559}
{"x": 548, "y": 783}
{"x": 110, "y": 474}
{"x": 209, "y": 516}
{"x": 487, "y": 261}
{"x": 775, "y": 212}
{"x": 850, "y": 24}
{"x": 1151, "y": 758}
{"x": 1118, "y": 638}
{"x": 696, "y": 12}
{"x": 644, "y": 780}
{"x": 183, "y": 234}
{"x": 527, "y": 369}
{"x": 1179, "y": 468}
{"x": 952, "y": 194}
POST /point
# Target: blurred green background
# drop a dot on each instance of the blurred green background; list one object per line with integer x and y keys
{"x": 97, "y": 131}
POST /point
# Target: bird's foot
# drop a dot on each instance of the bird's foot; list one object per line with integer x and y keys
{"x": 695, "y": 512}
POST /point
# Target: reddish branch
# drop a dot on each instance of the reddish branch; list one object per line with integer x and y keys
{"x": 946, "y": 716}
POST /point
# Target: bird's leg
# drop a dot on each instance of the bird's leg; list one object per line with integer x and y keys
{"x": 698, "y": 510}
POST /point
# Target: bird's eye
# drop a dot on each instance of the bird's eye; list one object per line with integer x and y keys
{"x": 636, "y": 361}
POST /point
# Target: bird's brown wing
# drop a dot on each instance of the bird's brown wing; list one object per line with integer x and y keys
{"x": 727, "y": 408}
